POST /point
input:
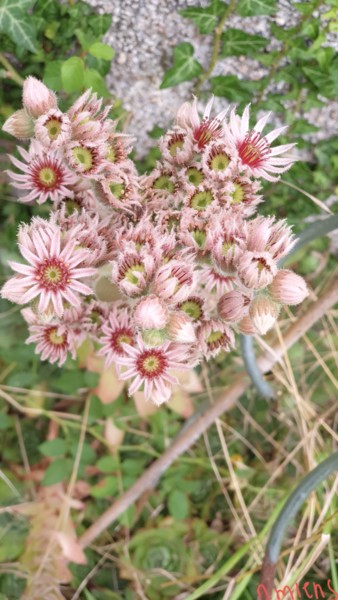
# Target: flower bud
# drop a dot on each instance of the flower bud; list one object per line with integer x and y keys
{"x": 256, "y": 269}
{"x": 154, "y": 337}
{"x": 37, "y": 98}
{"x": 20, "y": 125}
{"x": 151, "y": 313}
{"x": 288, "y": 288}
{"x": 246, "y": 326}
{"x": 181, "y": 329}
{"x": 233, "y": 306}
{"x": 264, "y": 313}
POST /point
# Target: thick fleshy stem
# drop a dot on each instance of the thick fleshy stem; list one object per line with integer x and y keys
{"x": 12, "y": 73}
{"x": 314, "y": 231}
{"x": 308, "y": 484}
{"x": 249, "y": 359}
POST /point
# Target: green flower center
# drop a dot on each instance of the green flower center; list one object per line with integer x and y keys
{"x": 192, "y": 309}
{"x": 195, "y": 176}
{"x": 130, "y": 273}
{"x": 56, "y": 339}
{"x": 237, "y": 196}
{"x": 227, "y": 246}
{"x": 199, "y": 237}
{"x": 201, "y": 200}
{"x": 214, "y": 336}
{"x": 174, "y": 146}
{"x": 47, "y": 177}
{"x": 83, "y": 157}
{"x": 117, "y": 189}
{"x": 52, "y": 274}
{"x": 151, "y": 363}
{"x": 163, "y": 183}
{"x": 53, "y": 127}
{"x": 219, "y": 162}
{"x": 124, "y": 339}
{"x": 112, "y": 154}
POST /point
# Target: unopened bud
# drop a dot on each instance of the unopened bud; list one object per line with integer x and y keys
{"x": 233, "y": 306}
{"x": 154, "y": 337}
{"x": 151, "y": 313}
{"x": 37, "y": 98}
{"x": 20, "y": 125}
{"x": 264, "y": 313}
{"x": 246, "y": 326}
{"x": 288, "y": 288}
{"x": 181, "y": 329}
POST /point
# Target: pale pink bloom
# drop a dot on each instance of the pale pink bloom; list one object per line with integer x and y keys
{"x": 256, "y": 269}
{"x": 180, "y": 328}
{"x": 86, "y": 229}
{"x": 117, "y": 330}
{"x": 53, "y": 342}
{"x": 219, "y": 161}
{"x": 215, "y": 282}
{"x": 288, "y": 288}
{"x": 151, "y": 313}
{"x": 132, "y": 272}
{"x": 202, "y": 200}
{"x": 53, "y": 129}
{"x": 44, "y": 175}
{"x": 263, "y": 313}
{"x": 205, "y": 130}
{"x": 20, "y": 124}
{"x": 233, "y": 306}
{"x": 88, "y": 121}
{"x": 267, "y": 235}
{"x": 227, "y": 239}
{"x": 240, "y": 195}
{"x": 194, "y": 230}
{"x": 174, "y": 281}
{"x": 214, "y": 336}
{"x": 86, "y": 158}
{"x": 37, "y": 98}
{"x": 150, "y": 367}
{"x": 176, "y": 147}
{"x": 52, "y": 273}
{"x": 194, "y": 307}
{"x": 256, "y": 155}
{"x": 160, "y": 183}
{"x": 118, "y": 189}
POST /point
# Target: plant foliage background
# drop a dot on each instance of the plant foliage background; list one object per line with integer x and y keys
{"x": 201, "y": 521}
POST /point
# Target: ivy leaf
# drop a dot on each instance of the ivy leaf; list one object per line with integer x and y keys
{"x": 232, "y": 88}
{"x": 185, "y": 66}
{"x": 72, "y": 74}
{"x": 238, "y": 43}
{"x": 205, "y": 19}
{"x": 101, "y": 50}
{"x": 16, "y": 23}
{"x": 251, "y": 8}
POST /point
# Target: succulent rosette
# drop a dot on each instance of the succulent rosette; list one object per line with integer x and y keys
{"x": 161, "y": 270}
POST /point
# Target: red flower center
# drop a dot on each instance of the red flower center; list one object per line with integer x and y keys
{"x": 254, "y": 149}
{"x": 120, "y": 336}
{"x": 151, "y": 363}
{"x": 208, "y": 130}
{"x": 52, "y": 274}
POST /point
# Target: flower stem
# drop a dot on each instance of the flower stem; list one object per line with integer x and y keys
{"x": 308, "y": 484}
{"x": 249, "y": 358}
{"x": 12, "y": 73}
{"x": 216, "y": 46}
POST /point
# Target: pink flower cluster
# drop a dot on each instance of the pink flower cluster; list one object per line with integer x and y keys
{"x": 158, "y": 270}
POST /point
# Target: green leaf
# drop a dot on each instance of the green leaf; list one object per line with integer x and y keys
{"x": 238, "y": 43}
{"x": 52, "y": 75}
{"x": 93, "y": 79}
{"x": 72, "y": 74}
{"x": 106, "y": 487}
{"x": 107, "y": 464}
{"x": 100, "y": 50}
{"x": 57, "y": 471}
{"x": 56, "y": 447}
{"x": 206, "y": 19}
{"x": 16, "y": 23}
{"x": 178, "y": 504}
{"x": 235, "y": 90}
{"x": 185, "y": 66}
{"x": 251, "y": 8}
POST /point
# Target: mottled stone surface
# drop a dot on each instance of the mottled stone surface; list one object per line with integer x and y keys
{"x": 143, "y": 34}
